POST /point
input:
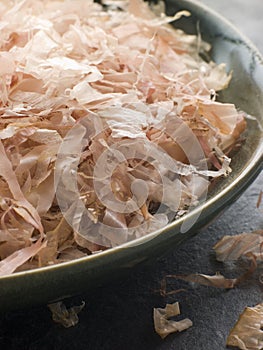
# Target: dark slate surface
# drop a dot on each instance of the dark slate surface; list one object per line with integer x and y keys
{"x": 119, "y": 316}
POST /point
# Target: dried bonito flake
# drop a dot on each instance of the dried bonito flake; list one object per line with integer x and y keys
{"x": 85, "y": 87}
{"x": 67, "y": 317}
{"x": 163, "y": 323}
{"x": 247, "y": 333}
{"x": 233, "y": 247}
{"x": 217, "y": 280}
{"x": 259, "y": 201}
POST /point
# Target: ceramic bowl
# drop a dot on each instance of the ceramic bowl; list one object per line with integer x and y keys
{"x": 246, "y": 91}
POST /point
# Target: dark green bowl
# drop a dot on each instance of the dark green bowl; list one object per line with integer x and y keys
{"x": 246, "y": 91}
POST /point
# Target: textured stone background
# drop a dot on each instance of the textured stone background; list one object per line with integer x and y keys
{"x": 119, "y": 316}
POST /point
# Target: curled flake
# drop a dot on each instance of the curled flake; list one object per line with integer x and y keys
{"x": 8, "y": 174}
{"x": 217, "y": 79}
{"x": 233, "y": 247}
{"x": 223, "y": 116}
{"x": 217, "y": 280}
{"x": 67, "y": 317}
{"x": 247, "y": 333}
{"x": 259, "y": 201}
{"x": 18, "y": 258}
{"x": 164, "y": 325}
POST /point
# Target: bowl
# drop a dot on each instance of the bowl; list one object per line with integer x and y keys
{"x": 48, "y": 284}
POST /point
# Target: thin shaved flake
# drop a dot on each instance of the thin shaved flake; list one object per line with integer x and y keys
{"x": 223, "y": 116}
{"x": 110, "y": 127}
{"x": 260, "y": 197}
{"x": 247, "y": 334}
{"x": 163, "y": 323}
{"x": 231, "y": 248}
{"x": 217, "y": 280}
{"x": 67, "y": 317}
{"x": 8, "y": 174}
{"x": 18, "y": 258}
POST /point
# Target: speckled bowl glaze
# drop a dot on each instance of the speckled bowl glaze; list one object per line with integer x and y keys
{"x": 246, "y": 91}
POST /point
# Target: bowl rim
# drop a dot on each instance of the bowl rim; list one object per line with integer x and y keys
{"x": 213, "y": 204}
